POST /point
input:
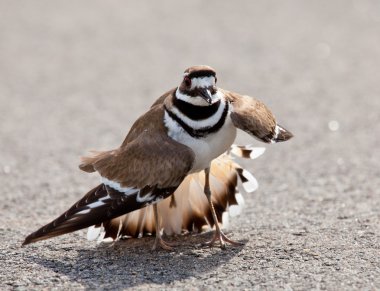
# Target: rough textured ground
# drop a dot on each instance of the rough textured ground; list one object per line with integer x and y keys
{"x": 74, "y": 75}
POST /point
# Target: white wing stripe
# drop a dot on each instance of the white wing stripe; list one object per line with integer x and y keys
{"x": 115, "y": 185}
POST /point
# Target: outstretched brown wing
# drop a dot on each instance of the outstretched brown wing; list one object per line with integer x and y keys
{"x": 252, "y": 116}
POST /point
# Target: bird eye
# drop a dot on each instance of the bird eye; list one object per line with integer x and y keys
{"x": 216, "y": 79}
{"x": 187, "y": 81}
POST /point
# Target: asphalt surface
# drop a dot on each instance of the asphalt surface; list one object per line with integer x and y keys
{"x": 74, "y": 75}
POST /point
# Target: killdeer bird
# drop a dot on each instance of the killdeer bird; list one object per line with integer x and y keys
{"x": 182, "y": 133}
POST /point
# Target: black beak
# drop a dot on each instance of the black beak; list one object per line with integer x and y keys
{"x": 205, "y": 94}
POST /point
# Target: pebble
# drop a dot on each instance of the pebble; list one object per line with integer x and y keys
{"x": 333, "y": 125}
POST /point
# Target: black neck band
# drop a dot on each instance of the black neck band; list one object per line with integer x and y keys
{"x": 202, "y": 132}
{"x": 196, "y": 112}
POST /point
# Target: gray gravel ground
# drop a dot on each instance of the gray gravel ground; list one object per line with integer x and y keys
{"x": 74, "y": 75}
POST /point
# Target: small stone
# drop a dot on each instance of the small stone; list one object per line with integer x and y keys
{"x": 333, "y": 125}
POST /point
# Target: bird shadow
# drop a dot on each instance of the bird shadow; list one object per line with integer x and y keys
{"x": 131, "y": 262}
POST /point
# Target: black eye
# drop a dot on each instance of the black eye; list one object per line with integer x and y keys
{"x": 187, "y": 81}
{"x": 216, "y": 79}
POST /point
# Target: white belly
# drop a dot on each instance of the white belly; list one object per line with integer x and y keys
{"x": 211, "y": 147}
{"x": 208, "y": 148}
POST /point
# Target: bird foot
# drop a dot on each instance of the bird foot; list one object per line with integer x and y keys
{"x": 159, "y": 242}
{"x": 223, "y": 239}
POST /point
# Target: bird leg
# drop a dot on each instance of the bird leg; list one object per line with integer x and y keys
{"x": 219, "y": 235}
{"x": 159, "y": 241}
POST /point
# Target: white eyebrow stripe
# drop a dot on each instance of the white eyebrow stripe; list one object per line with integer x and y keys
{"x": 202, "y": 82}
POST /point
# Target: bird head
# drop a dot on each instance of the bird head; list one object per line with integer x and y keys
{"x": 199, "y": 86}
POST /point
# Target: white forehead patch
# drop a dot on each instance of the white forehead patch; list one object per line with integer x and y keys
{"x": 202, "y": 82}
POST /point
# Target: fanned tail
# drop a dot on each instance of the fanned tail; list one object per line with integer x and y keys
{"x": 187, "y": 210}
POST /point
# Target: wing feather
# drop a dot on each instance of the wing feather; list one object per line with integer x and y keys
{"x": 252, "y": 116}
